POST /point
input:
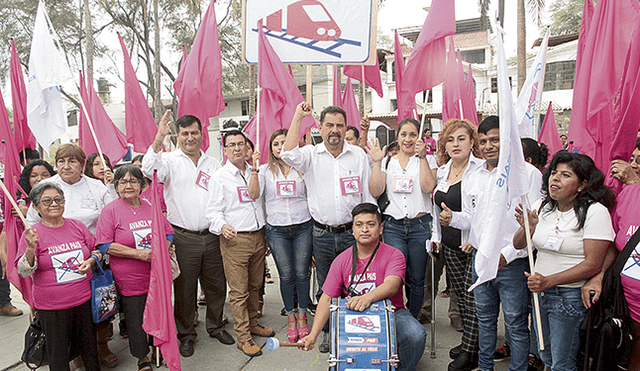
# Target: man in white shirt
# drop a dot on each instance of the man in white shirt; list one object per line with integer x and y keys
{"x": 337, "y": 176}
{"x": 510, "y": 285}
{"x": 186, "y": 174}
{"x": 238, "y": 218}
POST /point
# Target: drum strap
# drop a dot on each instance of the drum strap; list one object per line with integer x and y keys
{"x": 354, "y": 263}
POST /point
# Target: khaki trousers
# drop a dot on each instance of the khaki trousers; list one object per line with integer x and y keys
{"x": 243, "y": 259}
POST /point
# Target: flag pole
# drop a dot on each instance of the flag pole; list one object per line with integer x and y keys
{"x": 536, "y": 133}
{"x": 532, "y": 268}
{"x": 14, "y": 203}
{"x": 259, "y": 93}
{"x": 364, "y": 96}
{"x": 310, "y": 84}
{"x": 424, "y": 114}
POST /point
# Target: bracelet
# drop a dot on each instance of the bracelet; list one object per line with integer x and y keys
{"x": 95, "y": 257}
{"x": 422, "y": 157}
{"x": 256, "y": 170}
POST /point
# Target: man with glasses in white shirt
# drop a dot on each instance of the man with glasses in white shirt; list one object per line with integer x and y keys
{"x": 337, "y": 176}
{"x": 187, "y": 173}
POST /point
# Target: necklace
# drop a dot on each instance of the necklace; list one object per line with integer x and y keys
{"x": 133, "y": 209}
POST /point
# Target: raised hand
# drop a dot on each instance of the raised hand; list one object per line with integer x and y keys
{"x": 421, "y": 148}
{"x": 533, "y": 217}
{"x": 303, "y": 110}
{"x": 373, "y": 149}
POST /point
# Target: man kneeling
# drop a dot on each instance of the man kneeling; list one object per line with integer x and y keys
{"x": 379, "y": 266}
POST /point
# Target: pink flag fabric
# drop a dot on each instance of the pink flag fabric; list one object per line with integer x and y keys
{"x": 469, "y": 109}
{"x": 351, "y": 106}
{"x": 549, "y": 133}
{"x": 337, "y": 89}
{"x": 452, "y": 89}
{"x": 158, "y": 318}
{"x": 371, "y": 75}
{"x": 24, "y": 136}
{"x": 426, "y": 66}
{"x": 406, "y": 104}
{"x": 199, "y": 83}
{"x": 140, "y": 125}
{"x": 601, "y": 67}
{"x": 112, "y": 141}
{"x": 626, "y": 115}
{"x": 11, "y": 223}
{"x": 279, "y": 98}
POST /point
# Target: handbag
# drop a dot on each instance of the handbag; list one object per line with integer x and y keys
{"x": 34, "y": 354}
{"x": 104, "y": 296}
{"x": 383, "y": 199}
{"x": 606, "y": 333}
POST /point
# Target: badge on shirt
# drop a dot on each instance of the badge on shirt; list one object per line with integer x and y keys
{"x": 243, "y": 194}
{"x": 202, "y": 180}
{"x": 402, "y": 183}
{"x": 66, "y": 265}
{"x": 443, "y": 187}
{"x": 553, "y": 243}
{"x": 350, "y": 185}
{"x": 286, "y": 188}
{"x": 142, "y": 237}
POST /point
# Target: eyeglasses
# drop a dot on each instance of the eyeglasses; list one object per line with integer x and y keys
{"x": 636, "y": 160}
{"x": 49, "y": 201}
{"x": 132, "y": 182}
{"x": 239, "y": 145}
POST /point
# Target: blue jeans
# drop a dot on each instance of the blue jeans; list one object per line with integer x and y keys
{"x": 291, "y": 247}
{"x": 5, "y": 291}
{"x": 411, "y": 337}
{"x": 509, "y": 288}
{"x": 326, "y": 246}
{"x": 561, "y": 313}
{"x": 409, "y": 236}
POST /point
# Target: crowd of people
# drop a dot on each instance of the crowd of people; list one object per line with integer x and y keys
{"x": 372, "y": 221}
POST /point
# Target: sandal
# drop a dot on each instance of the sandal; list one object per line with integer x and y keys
{"x": 146, "y": 366}
{"x": 292, "y": 335}
{"x": 109, "y": 361}
{"x": 303, "y": 331}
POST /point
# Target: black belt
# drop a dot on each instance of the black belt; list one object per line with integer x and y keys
{"x": 252, "y": 232}
{"x": 337, "y": 229}
{"x": 203, "y": 232}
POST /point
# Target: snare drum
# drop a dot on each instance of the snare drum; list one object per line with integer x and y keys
{"x": 363, "y": 340}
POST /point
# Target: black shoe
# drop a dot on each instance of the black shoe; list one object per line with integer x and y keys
{"x": 311, "y": 308}
{"x": 455, "y": 351}
{"x": 466, "y": 361}
{"x": 224, "y": 337}
{"x": 424, "y": 318}
{"x": 324, "y": 346}
{"x": 283, "y": 312}
{"x": 502, "y": 353}
{"x": 186, "y": 348}
{"x": 122, "y": 325}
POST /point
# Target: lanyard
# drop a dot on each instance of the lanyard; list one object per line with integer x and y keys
{"x": 351, "y": 289}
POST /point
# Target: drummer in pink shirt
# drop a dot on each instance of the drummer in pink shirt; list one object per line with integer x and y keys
{"x": 56, "y": 252}
{"x": 124, "y": 232}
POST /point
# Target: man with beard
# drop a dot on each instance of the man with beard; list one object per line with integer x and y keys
{"x": 337, "y": 178}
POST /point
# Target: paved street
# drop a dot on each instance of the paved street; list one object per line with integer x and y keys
{"x": 212, "y": 355}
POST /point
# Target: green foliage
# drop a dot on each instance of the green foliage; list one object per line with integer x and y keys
{"x": 565, "y": 16}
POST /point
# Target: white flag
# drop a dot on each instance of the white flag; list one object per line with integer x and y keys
{"x": 511, "y": 180}
{"x": 47, "y": 71}
{"x": 531, "y": 93}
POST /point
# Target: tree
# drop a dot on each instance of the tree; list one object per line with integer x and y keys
{"x": 565, "y": 16}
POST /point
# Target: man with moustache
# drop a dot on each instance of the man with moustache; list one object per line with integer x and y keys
{"x": 239, "y": 220}
{"x": 337, "y": 177}
{"x": 186, "y": 174}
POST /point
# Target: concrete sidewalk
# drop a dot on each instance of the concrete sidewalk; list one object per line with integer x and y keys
{"x": 212, "y": 355}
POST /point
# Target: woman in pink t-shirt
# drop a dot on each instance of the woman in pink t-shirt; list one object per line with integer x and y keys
{"x": 124, "y": 232}
{"x": 56, "y": 252}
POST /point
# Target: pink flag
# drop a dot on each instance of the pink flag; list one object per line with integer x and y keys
{"x": 469, "y": 99}
{"x": 452, "y": 93}
{"x": 351, "y": 106}
{"x": 112, "y": 142}
{"x": 597, "y": 80}
{"x": 279, "y": 98}
{"x": 24, "y": 136}
{"x": 11, "y": 223}
{"x": 140, "y": 125}
{"x": 406, "y": 104}
{"x": 626, "y": 115}
{"x": 337, "y": 90}
{"x": 426, "y": 66}
{"x": 199, "y": 83}
{"x": 158, "y": 318}
{"x": 371, "y": 75}
{"x": 549, "y": 133}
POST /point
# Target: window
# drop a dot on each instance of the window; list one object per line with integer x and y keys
{"x": 494, "y": 84}
{"x": 559, "y": 75}
{"x": 473, "y": 56}
{"x": 245, "y": 107}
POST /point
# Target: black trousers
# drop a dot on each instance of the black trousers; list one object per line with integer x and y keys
{"x": 133, "y": 308}
{"x": 198, "y": 256}
{"x": 70, "y": 332}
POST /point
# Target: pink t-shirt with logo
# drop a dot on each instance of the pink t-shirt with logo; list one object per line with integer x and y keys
{"x": 149, "y": 196}
{"x": 60, "y": 252}
{"x": 120, "y": 223}
{"x": 431, "y": 146}
{"x": 626, "y": 220}
{"x": 388, "y": 261}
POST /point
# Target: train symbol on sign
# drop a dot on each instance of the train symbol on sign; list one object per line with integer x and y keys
{"x": 363, "y": 322}
{"x": 297, "y": 18}
{"x": 308, "y": 24}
